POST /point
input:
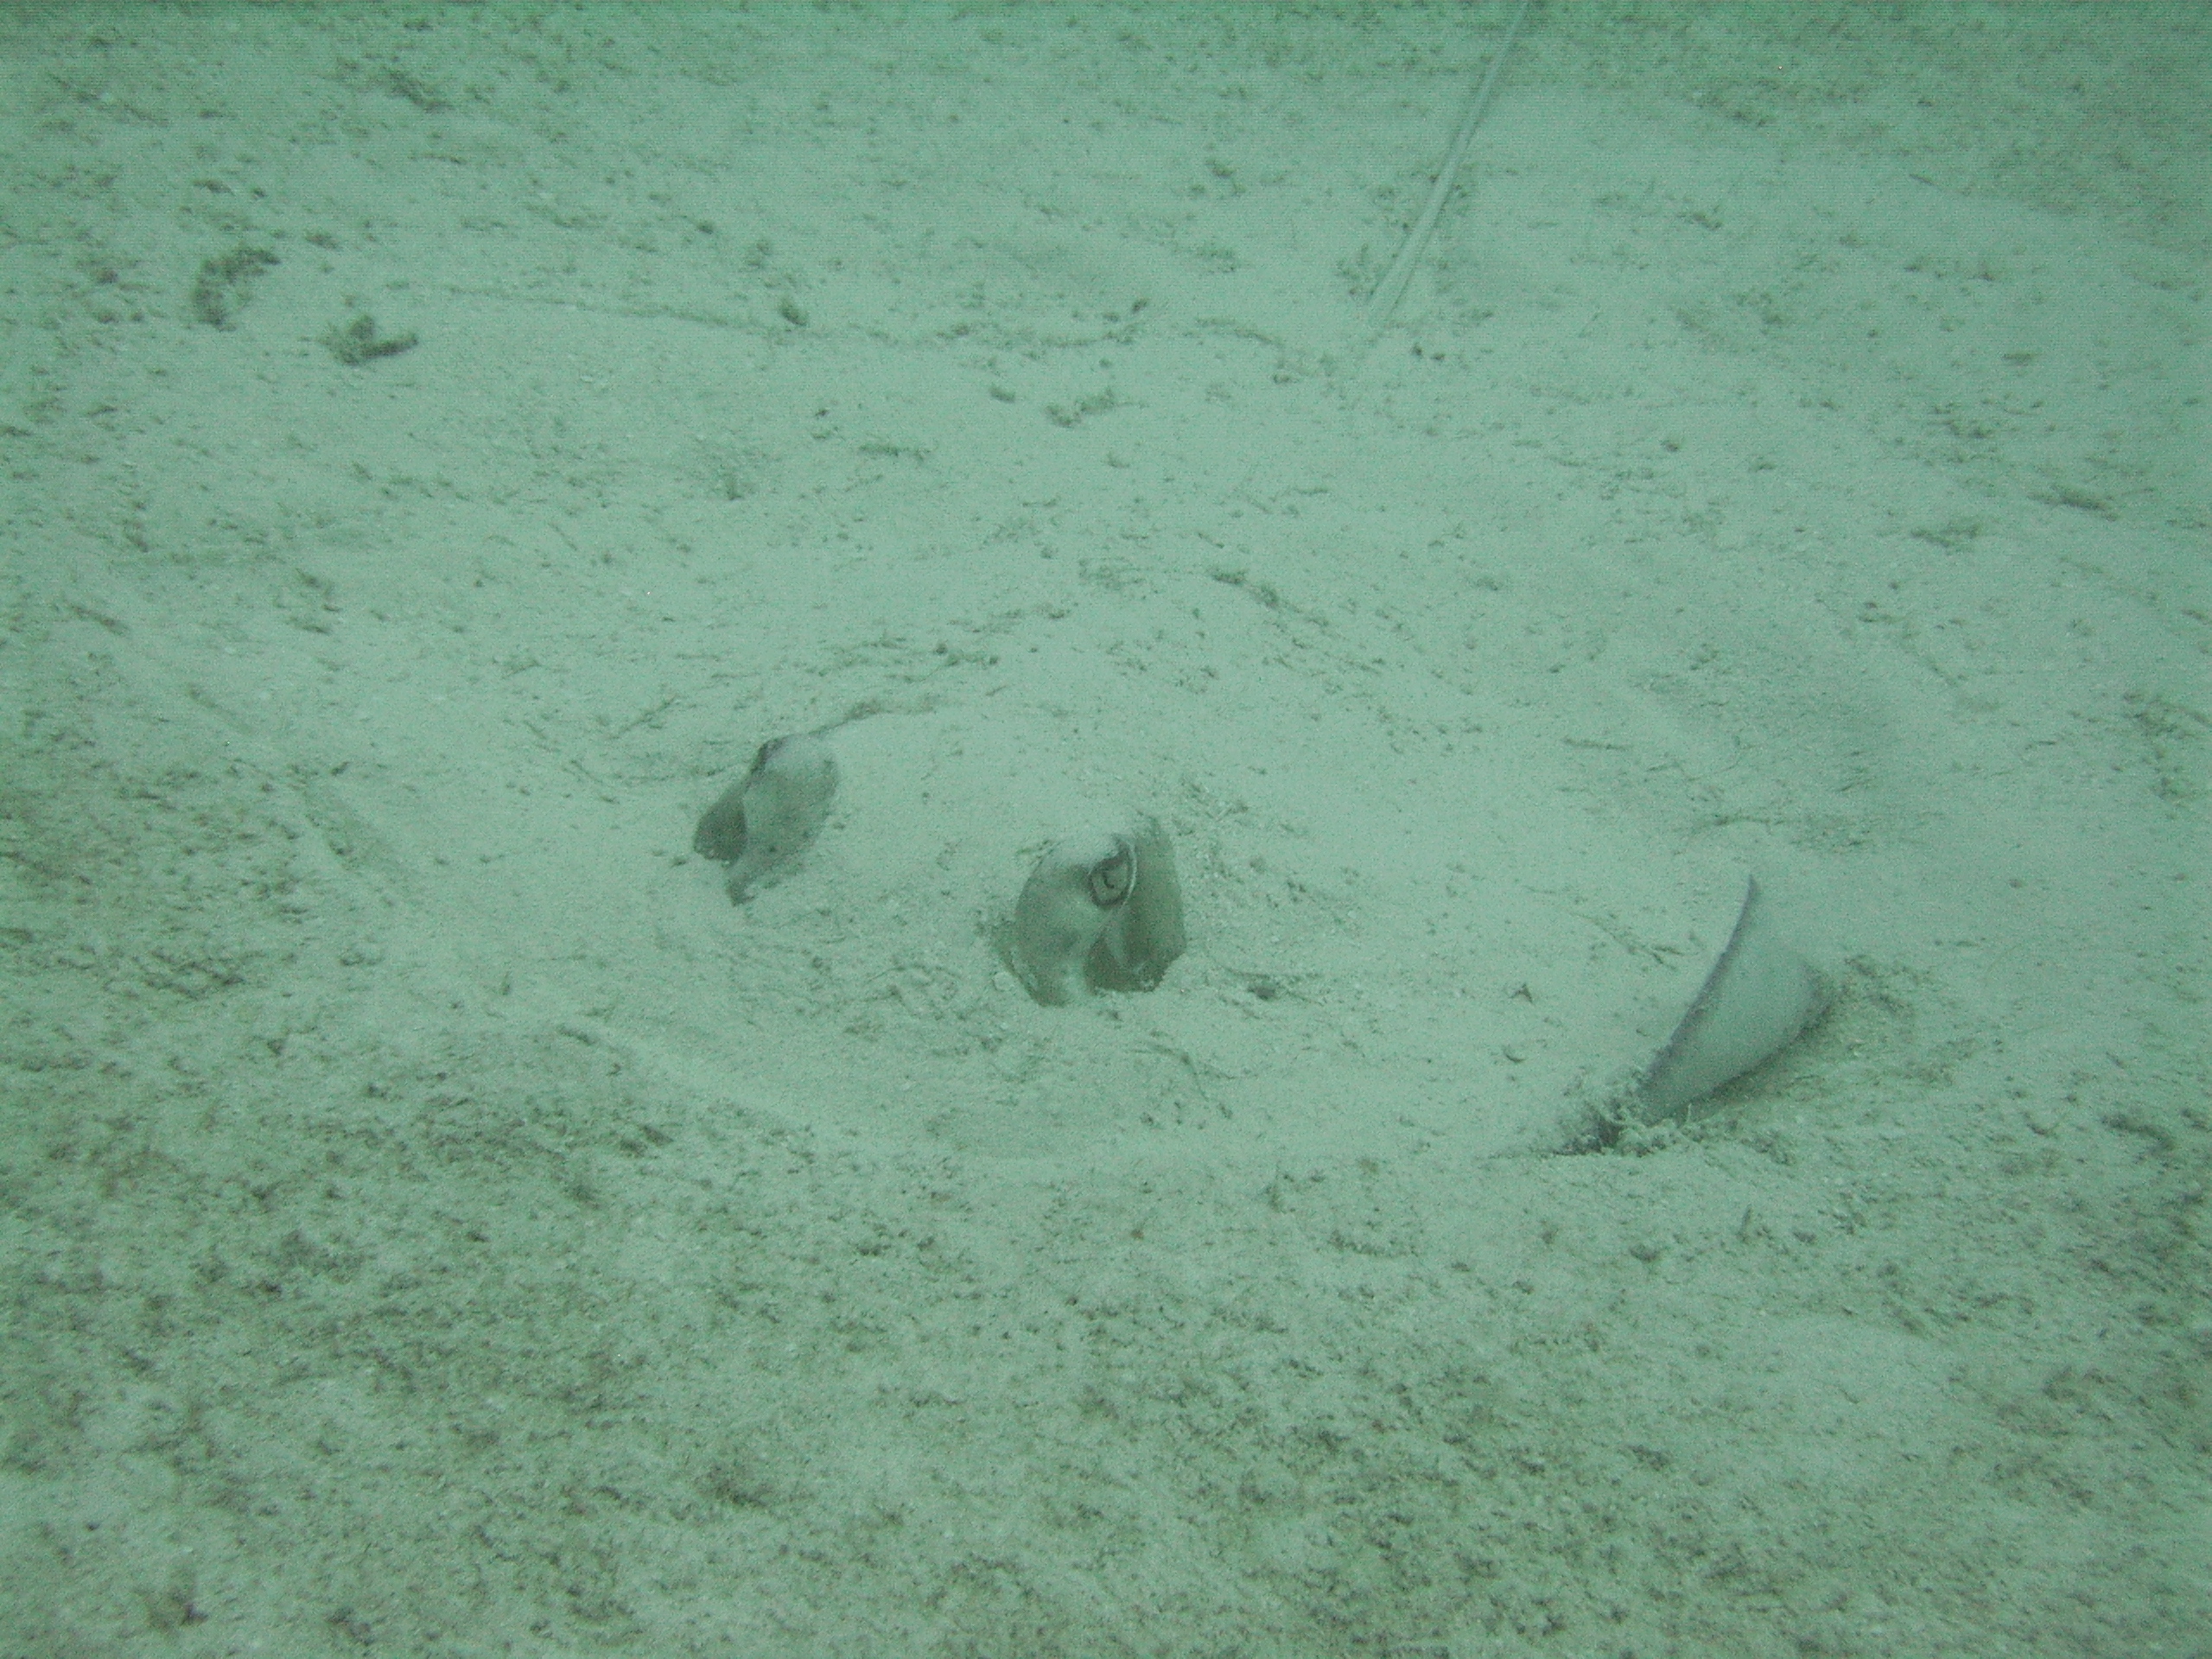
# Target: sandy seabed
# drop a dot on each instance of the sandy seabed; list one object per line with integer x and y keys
{"x": 442, "y": 444}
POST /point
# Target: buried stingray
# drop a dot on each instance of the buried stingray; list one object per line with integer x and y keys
{"x": 1102, "y": 911}
{"x": 762, "y": 823}
{"x": 1761, "y": 997}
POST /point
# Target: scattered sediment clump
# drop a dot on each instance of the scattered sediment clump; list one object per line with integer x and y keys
{"x": 358, "y": 341}
{"x": 225, "y": 284}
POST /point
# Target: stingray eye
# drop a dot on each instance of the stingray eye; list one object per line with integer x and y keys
{"x": 1112, "y": 876}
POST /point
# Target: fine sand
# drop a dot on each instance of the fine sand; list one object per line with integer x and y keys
{"x": 442, "y": 444}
